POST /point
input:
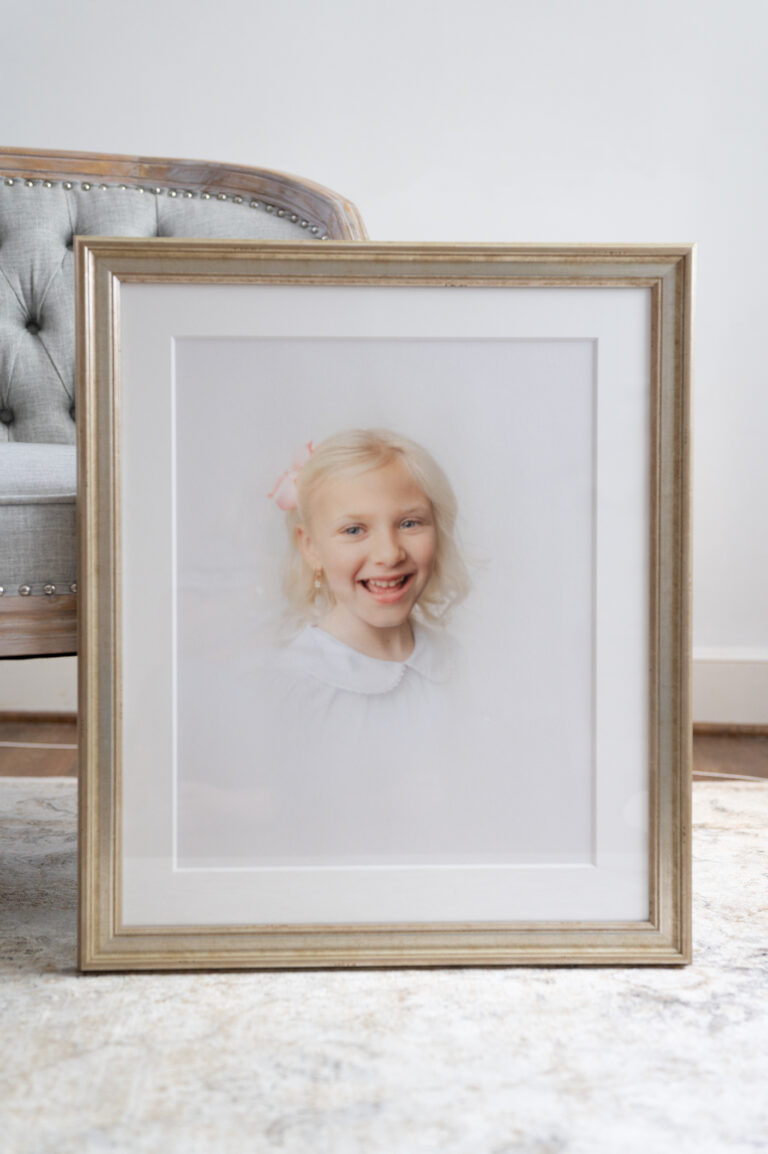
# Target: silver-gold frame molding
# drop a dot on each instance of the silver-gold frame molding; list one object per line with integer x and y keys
{"x": 103, "y": 266}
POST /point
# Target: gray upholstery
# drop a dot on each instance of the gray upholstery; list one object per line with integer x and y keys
{"x": 38, "y": 220}
{"x": 37, "y": 505}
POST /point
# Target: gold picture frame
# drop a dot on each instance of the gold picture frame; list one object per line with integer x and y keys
{"x": 556, "y": 381}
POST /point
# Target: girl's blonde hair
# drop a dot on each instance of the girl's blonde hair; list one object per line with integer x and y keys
{"x": 361, "y": 451}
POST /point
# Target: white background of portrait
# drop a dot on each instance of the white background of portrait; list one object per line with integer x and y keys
{"x": 609, "y": 882}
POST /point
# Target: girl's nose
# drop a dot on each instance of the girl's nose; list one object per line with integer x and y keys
{"x": 388, "y": 550}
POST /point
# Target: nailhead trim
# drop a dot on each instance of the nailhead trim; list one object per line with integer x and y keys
{"x": 173, "y": 193}
{"x": 44, "y": 589}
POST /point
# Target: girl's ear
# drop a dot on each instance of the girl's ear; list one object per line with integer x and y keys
{"x": 305, "y": 548}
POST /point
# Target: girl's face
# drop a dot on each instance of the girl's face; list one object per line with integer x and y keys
{"x": 374, "y": 536}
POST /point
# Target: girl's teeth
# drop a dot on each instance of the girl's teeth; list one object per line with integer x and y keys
{"x": 386, "y": 584}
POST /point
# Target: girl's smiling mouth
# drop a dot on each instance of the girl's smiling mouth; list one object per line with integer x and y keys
{"x": 386, "y": 589}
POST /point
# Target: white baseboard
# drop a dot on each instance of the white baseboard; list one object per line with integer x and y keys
{"x": 39, "y": 685}
{"x": 730, "y": 686}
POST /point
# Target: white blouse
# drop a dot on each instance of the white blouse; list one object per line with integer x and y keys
{"x": 321, "y": 754}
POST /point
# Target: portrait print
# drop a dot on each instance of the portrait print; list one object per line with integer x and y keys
{"x": 301, "y": 736}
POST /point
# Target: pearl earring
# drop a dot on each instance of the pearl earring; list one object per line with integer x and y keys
{"x": 318, "y": 578}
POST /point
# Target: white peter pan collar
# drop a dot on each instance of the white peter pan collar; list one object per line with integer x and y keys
{"x": 334, "y": 663}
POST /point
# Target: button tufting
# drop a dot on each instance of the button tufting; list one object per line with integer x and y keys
{"x": 6, "y": 416}
{"x": 33, "y": 327}
{"x": 72, "y": 412}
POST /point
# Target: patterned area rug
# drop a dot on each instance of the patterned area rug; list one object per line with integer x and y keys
{"x": 518, "y": 1061}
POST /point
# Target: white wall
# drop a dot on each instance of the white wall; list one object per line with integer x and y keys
{"x": 499, "y": 120}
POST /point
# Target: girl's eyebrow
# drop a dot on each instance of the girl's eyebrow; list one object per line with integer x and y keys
{"x": 348, "y": 517}
{"x": 344, "y": 518}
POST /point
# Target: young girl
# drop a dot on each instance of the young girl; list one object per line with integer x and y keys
{"x": 374, "y": 568}
{"x": 358, "y": 722}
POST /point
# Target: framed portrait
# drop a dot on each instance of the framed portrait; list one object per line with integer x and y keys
{"x": 384, "y": 633}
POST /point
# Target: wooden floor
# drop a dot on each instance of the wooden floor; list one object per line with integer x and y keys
{"x": 42, "y": 745}
{"x": 46, "y": 746}
{"x": 730, "y": 754}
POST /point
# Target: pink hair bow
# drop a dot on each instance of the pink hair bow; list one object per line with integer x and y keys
{"x": 284, "y": 490}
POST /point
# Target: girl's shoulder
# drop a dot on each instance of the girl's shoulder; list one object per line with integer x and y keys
{"x": 437, "y": 655}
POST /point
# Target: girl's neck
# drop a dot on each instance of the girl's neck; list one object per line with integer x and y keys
{"x": 393, "y": 644}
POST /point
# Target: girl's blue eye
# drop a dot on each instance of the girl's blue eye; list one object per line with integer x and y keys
{"x": 409, "y": 522}
{"x": 353, "y": 530}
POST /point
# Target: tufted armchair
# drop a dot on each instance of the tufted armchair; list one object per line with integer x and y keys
{"x": 46, "y": 198}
